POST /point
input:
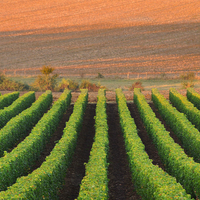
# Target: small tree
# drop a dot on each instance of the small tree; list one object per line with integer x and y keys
{"x": 100, "y": 75}
{"x": 68, "y": 84}
{"x": 46, "y": 70}
{"x": 188, "y": 79}
{"x": 86, "y": 84}
{"x": 46, "y": 81}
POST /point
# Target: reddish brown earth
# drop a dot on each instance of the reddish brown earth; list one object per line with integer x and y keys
{"x": 111, "y": 37}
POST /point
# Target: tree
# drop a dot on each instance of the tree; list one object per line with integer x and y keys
{"x": 46, "y": 81}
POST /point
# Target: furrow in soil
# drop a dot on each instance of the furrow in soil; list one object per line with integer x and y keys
{"x": 54, "y": 138}
{"x": 120, "y": 184}
{"x": 76, "y": 170}
{"x": 149, "y": 146}
{"x": 171, "y": 133}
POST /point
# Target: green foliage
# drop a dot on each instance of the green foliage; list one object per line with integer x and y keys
{"x": 8, "y": 99}
{"x": 193, "y": 97}
{"x": 68, "y": 84}
{"x": 47, "y": 81}
{"x": 18, "y": 127}
{"x": 44, "y": 182}
{"x": 16, "y": 107}
{"x": 151, "y": 182}
{"x": 185, "y": 106}
{"x": 95, "y": 183}
{"x": 22, "y": 157}
{"x": 176, "y": 162}
{"x": 185, "y": 131}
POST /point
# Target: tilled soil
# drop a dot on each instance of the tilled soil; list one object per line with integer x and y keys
{"x": 76, "y": 171}
{"x": 119, "y": 175}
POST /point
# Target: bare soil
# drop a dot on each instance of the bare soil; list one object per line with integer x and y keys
{"x": 113, "y": 37}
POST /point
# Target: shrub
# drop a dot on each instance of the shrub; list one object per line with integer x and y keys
{"x": 2, "y": 78}
{"x": 68, "y": 84}
{"x": 45, "y": 81}
{"x": 86, "y": 84}
{"x": 100, "y": 75}
{"x": 137, "y": 84}
{"x": 187, "y": 79}
{"x": 8, "y": 84}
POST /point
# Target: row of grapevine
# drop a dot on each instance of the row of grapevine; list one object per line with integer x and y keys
{"x": 185, "y": 106}
{"x": 151, "y": 181}
{"x": 16, "y": 107}
{"x": 15, "y": 163}
{"x": 177, "y": 163}
{"x": 95, "y": 183}
{"x": 17, "y": 128}
{"x": 193, "y": 97}
{"x": 178, "y": 122}
{"x": 44, "y": 182}
{"x": 7, "y": 99}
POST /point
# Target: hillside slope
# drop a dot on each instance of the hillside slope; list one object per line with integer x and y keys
{"x": 115, "y": 36}
{"x": 25, "y": 15}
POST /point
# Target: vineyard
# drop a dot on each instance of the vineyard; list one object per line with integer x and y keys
{"x": 138, "y": 149}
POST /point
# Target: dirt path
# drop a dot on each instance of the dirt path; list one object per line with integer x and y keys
{"x": 120, "y": 183}
{"x": 146, "y": 140}
{"x": 54, "y": 138}
{"x": 76, "y": 171}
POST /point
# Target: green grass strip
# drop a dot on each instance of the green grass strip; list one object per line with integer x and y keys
{"x": 94, "y": 184}
{"x": 45, "y": 182}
